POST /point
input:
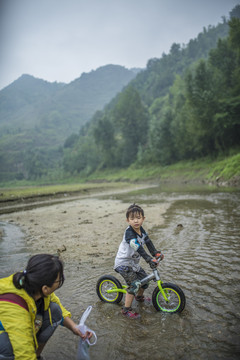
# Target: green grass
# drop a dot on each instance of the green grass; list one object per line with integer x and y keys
{"x": 197, "y": 171}
{"x": 52, "y": 190}
{"x": 223, "y": 171}
{"x": 226, "y": 168}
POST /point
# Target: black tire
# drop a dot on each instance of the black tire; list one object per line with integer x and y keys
{"x": 105, "y": 283}
{"x": 175, "y": 295}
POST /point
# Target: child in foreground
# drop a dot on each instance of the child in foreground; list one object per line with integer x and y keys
{"x": 128, "y": 257}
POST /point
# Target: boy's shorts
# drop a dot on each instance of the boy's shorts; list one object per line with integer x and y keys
{"x": 130, "y": 275}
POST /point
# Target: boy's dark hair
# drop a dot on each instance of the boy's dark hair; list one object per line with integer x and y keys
{"x": 42, "y": 269}
{"x": 134, "y": 209}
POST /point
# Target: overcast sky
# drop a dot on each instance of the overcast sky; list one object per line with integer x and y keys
{"x": 58, "y": 40}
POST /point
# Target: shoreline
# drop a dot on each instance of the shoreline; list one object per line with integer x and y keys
{"x": 33, "y": 200}
{"x": 82, "y": 228}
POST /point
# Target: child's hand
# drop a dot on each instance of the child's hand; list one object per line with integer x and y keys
{"x": 153, "y": 263}
{"x": 159, "y": 255}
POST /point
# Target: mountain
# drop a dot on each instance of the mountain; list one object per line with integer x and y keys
{"x": 30, "y": 102}
{"x": 21, "y": 101}
{"x": 37, "y": 116}
{"x": 183, "y": 106}
{"x": 158, "y": 115}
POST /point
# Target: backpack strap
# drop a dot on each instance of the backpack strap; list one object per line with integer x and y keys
{"x": 15, "y": 299}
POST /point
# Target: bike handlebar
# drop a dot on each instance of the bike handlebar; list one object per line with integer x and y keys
{"x": 154, "y": 265}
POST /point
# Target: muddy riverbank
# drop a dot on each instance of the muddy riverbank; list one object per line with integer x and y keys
{"x": 78, "y": 226}
{"x": 202, "y": 258}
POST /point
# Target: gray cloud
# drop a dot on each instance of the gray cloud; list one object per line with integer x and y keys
{"x": 57, "y": 40}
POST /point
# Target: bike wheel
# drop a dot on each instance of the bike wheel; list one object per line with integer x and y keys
{"x": 176, "y": 299}
{"x": 105, "y": 283}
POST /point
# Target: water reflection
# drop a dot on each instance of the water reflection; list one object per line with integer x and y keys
{"x": 203, "y": 258}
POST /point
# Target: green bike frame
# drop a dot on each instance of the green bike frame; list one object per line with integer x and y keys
{"x": 155, "y": 275}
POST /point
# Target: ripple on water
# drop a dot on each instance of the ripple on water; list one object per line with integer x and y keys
{"x": 13, "y": 250}
{"x": 203, "y": 259}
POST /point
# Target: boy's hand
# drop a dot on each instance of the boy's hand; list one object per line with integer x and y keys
{"x": 159, "y": 255}
{"x": 153, "y": 263}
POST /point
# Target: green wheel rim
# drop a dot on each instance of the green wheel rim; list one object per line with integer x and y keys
{"x": 107, "y": 285}
{"x": 173, "y": 297}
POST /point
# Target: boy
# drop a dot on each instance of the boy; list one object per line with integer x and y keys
{"x": 128, "y": 256}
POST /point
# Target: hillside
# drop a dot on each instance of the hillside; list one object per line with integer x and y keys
{"x": 29, "y": 102}
{"x": 183, "y": 106}
{"x": 21, "y": 102}
{"x": 37, "y": 116}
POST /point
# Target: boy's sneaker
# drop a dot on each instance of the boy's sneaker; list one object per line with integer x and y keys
{"x": 143, "y": 298}
{"x": 129, "y": 313}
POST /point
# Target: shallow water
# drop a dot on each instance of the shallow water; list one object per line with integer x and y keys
{"x": 13, "y": 251}
{"x": 203, "y": 258}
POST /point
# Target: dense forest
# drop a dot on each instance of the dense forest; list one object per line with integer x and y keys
{"x": 185, "y": 105}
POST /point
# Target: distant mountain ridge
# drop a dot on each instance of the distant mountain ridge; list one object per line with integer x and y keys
{"x": 40, "y": 121}
{"x": 37, "y": 116}
{"x": 30, "y": 102}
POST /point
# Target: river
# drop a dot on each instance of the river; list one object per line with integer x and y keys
{"x": 202, "y": 257}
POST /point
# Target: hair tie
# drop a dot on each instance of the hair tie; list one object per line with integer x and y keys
{"x": 22, "y": 278}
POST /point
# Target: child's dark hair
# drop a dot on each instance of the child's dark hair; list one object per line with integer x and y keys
{"x": 134, "y": 209}
{"x": 42, "y": 269}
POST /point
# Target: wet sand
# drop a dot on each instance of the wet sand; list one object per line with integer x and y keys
{"x": 91, "y": 228}
{"x": 81, "y": 229}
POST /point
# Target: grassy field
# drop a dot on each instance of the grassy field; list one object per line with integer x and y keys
{"x": 221, "y": 172}
{"x": 225, "y": 170}
{"x": 30, "y": 191}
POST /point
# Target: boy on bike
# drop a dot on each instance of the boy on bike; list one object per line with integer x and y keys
{"x": 129, "y": 254}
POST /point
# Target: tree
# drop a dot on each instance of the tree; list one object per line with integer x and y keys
{"x": 234, "y": 33}
{"x": 235, "y": 13}
{"x": 201, "y": 96}
{"x": 131, "y": 121}
{"x": 71, "y": 140}
{"x": 104, "y": 136}
{"x": 83, "y": 157}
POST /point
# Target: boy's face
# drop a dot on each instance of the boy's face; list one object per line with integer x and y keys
{"x": 136, "y": 220}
